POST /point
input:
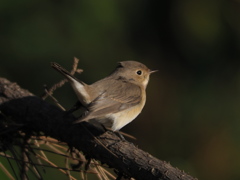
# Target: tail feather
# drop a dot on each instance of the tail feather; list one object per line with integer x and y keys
{"x": 78, "y": 86}
{"x": 63, "y": 71}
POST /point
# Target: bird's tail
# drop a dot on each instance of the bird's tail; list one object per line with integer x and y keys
{"x": 78, "y": 86}
{"x": 63, "y": 71}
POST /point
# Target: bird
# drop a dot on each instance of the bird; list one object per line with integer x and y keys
{"x": 115, "y": 100}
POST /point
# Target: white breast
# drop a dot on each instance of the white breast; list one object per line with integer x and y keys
{"x": 122, "y": 118}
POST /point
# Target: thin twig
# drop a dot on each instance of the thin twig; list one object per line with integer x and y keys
{"x": 6, "y": 172}
{"x": 33, "y": 168}
{"x": 109, "y": 174}
{"x": 54, "y": 165}
{"x": 24, "y": 167}
{"x": 54, "y": 100}
{"x": 49, "y": 166}
{"x": 15, "y": 157}
{"x": 100, "y": 170}
{"x": 67, "y": 167}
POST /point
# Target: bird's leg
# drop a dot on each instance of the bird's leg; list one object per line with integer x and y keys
{"x": 115, "y": 132}
{"x": 120, "y": 135}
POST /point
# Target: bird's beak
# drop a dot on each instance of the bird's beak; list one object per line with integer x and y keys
{"x": 153, "y": 71}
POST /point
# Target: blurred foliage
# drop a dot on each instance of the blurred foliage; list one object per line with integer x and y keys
{"x": 192, "y": 113}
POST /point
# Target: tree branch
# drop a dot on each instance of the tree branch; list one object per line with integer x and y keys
{"x": 33, "y": 115}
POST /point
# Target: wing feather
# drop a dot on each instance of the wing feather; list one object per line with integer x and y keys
{"x": 118, "y": 97}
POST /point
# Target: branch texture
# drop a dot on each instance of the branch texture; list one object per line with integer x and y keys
{"x": 37, "y": 116}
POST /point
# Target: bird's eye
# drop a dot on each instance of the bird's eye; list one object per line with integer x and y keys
{"x": 139, "y": 72}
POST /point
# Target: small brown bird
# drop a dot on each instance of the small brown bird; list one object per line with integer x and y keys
{"x": 115, "y": 100}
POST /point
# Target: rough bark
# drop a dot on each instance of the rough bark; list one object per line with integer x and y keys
{"x": 36, "y": 115}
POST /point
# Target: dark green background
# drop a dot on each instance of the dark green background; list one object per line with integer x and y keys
{"x": 191, "y": 118}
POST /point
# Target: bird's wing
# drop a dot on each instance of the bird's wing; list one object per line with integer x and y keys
{"x": 118, "y": 97}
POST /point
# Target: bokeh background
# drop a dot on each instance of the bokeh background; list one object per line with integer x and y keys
{"x": 192, "y": 115}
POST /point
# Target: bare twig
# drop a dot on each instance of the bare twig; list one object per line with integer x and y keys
{"x": 25, "y": 159}
{"x": 36, "y": 164}
{"x": 53, "y": 98}
{"x": 6, "y": 172}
